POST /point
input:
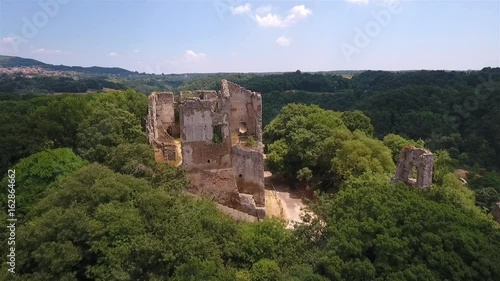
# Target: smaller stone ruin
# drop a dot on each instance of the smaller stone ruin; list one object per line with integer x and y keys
{"x": 414, "y": 167}
{"x": 495, "y": 212}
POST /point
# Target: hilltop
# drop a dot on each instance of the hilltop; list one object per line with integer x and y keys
{"x": 18, "y": 62}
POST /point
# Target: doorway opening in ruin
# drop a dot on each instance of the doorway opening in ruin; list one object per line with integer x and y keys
{"x": 217, "y": 134}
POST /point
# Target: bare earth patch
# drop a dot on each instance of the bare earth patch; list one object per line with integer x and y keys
{"x": 273, "y": 205}
{"x": 282, "y": 202}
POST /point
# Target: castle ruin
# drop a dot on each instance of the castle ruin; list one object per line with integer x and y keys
{"x": 421, "y": 160}
{"x": 220, "y": 140}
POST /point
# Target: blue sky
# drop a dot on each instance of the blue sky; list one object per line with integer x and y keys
{"x": 174, "y": 36}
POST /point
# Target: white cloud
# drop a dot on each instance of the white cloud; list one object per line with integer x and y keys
{"x": 46, "y": 51}
{"x": 113, "y": 54}
{"x": 264, "y": 9}
{"x": 273, "y": 20}
{"x": 190, "y": 55}
{"x": 7, "y": 40}
{"x": 270, "y": 20}
{"x": 300, "y": 12}
{"x": 190, "y": 58}
{"x": 242, "y": 9}
{"x": 135, "y": 51}
{"x": 284, "y": 41}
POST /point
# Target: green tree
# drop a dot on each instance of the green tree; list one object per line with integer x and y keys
{"x": 99, "y": 225}
{"x": 396, "y": 143}
{"x": 357, "y": 120}
{"x": 443, "y": 165}
{"x": 265, "y": 239}
{"x": 302, "y": 272}
{"x": 486, "y": 187}
{"x": 362, "y": 155}
{"x": 132, "y": 159}
{"x": 58, "y": 121}
{"x": 297, "y": 138}
{"x": 375, "y": 230}
{"x": 168, "y": 177}
{"x": 104, "y": 129}
{"x": 265, "y": 270}
{"x": 38, "y": 172}
{"x": 129, "y": 100}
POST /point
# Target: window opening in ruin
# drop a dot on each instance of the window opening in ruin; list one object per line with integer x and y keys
{"x": 414, "y": 172}
{"x": 217, "y": 134}
{"x": 208, "y": 160}
{"x": 243, "y": 128}
{"x": 240, "y": 176}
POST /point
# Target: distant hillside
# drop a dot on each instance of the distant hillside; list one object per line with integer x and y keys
{"x": 7, "y": 61}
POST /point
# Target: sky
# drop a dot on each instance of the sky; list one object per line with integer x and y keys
{"x": 186, "y": 36}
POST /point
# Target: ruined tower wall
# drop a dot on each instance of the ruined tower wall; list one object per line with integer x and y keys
{"x": 495, "y": 212}
{"x": 165, "y": 108}
{"x": 415, "y": 157}
{"x": 198, "y": 122}
{"x": 246, "y": 109}
{"x": 161, "y": 123}
{"x": 152, "y": 121}
{"x": 248, "y": 166}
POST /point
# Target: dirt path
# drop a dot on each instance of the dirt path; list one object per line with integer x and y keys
{"x": 290, "y": 207}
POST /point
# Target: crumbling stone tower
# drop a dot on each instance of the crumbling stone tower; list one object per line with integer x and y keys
{"x": 495, "y": 212}
{"x": 410, "y": 158}
{"x": 162, "y": 124}
{"x": 214, "y": 129}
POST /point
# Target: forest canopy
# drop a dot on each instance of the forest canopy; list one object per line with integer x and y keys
{"x": 93, "y": 204}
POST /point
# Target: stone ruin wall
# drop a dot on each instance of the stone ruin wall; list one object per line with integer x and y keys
{"x": 246, "y": 110}
{"x": 224, "y": 169}
{"x": 197, "y": 121}
{"x": 495, "y": 212}
{"x": 161, "y": 124}
{"x": 423, "y": 161}
{"x": 419, "y": 158}
{"x": 248, "y": 166}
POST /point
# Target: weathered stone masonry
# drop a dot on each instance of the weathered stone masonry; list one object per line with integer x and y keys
{"x": 162, "y": 126}
{"x": 412, "y": 157}
{"x": 213, "y": 129}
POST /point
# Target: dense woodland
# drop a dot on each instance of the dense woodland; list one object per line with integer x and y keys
{"x": 92, "y": 204}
